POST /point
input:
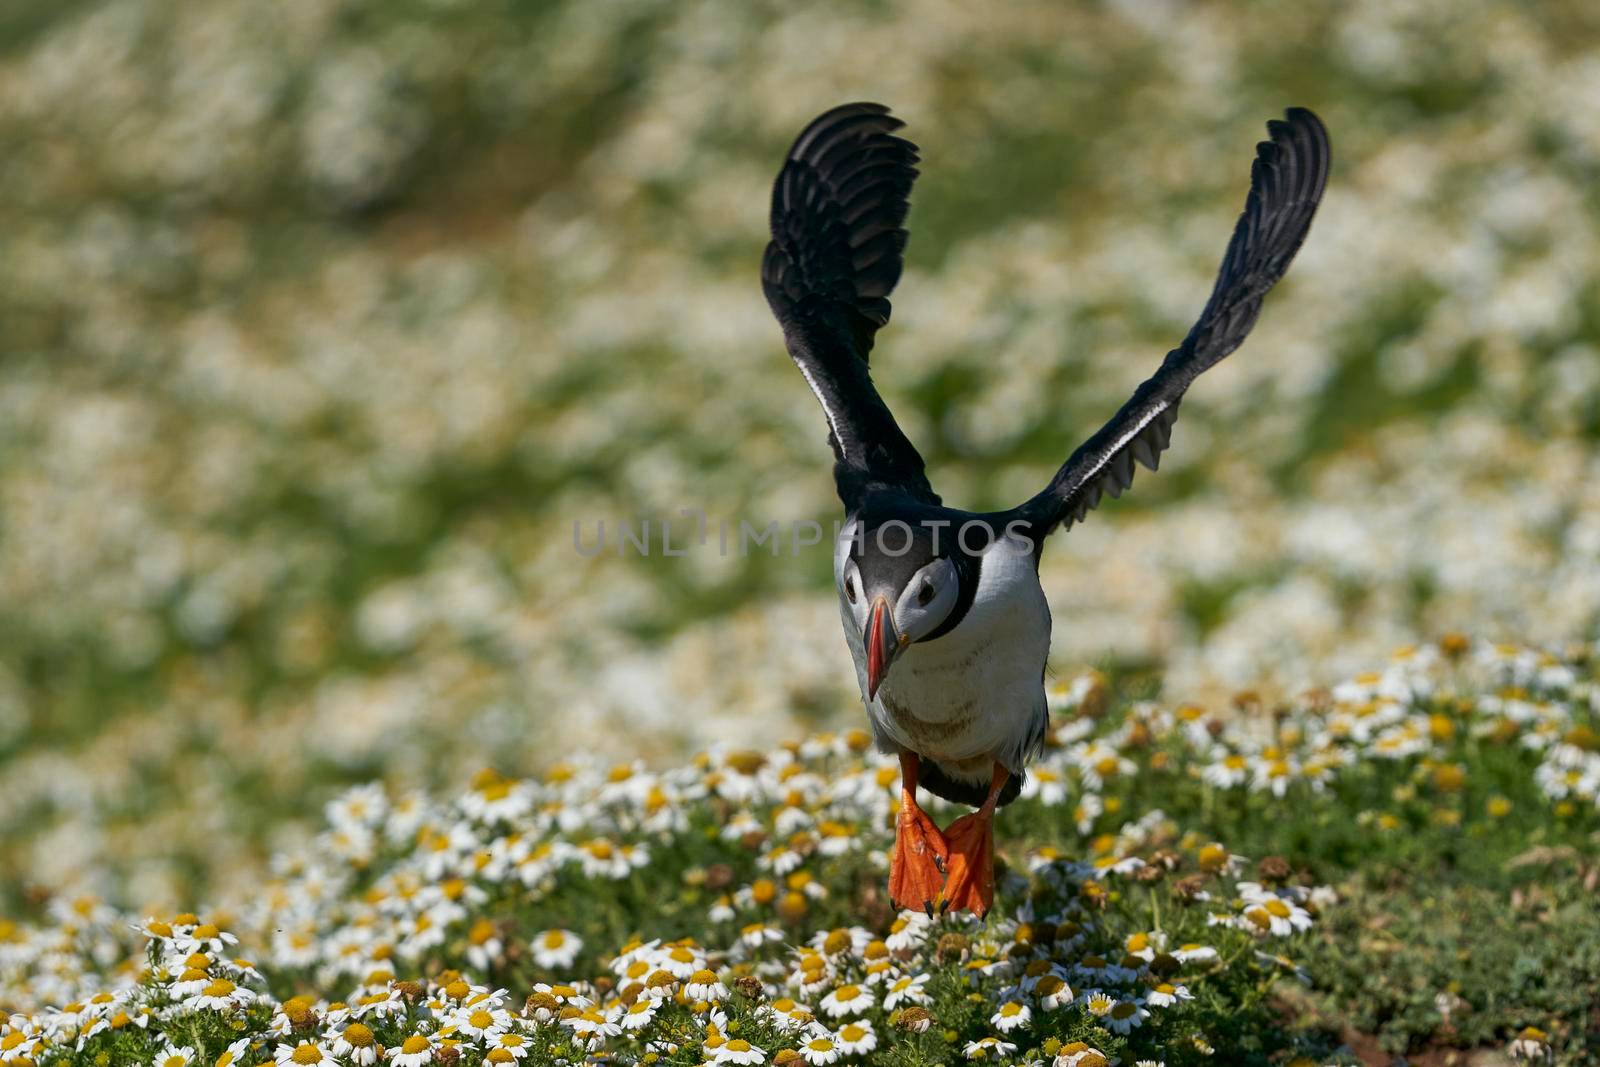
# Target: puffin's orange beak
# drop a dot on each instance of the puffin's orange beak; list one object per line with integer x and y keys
{"x": 882, "y": 646}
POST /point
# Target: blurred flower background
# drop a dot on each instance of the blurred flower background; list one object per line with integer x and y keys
{"x": 324, "y": 322}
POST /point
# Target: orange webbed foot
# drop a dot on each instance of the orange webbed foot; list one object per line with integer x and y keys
{"x": 970, "y": 882}
{"x": 917, "y": 865}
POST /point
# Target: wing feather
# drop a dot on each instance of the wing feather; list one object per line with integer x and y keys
{"x": 1287, "y": 178}
{"x": 836, "y": 253}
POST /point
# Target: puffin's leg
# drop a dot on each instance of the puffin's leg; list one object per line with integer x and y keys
{"x": 971, "y": 838}
{"x": 916, "y": 866}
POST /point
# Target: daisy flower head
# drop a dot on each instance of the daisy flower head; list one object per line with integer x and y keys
{"x": 739, "y": 1051}
{"x": 705, "y": 985}
{"x": 680, "y": 961}
{"x": 788, "y": 1015}
{"x": 857, "y": 1038}
{"x": 986, "y": 1048}
{"x": 1098, "y": 1003}
{"x": 556, "y": 949}
{"x": 356, "y": 1044}
{"x": 1268, "y": 913}
{"x": 220, "y": 994}
{"x": 233, "y": 1055}
{"x": 304, "y": 1054}
{"x": 757, "y": 934}
{"x": 1124, "y": 1016}
{"x": 170, "y": 1056}
{"x": 1053, "y": 992}
{"x": 414, "y": 1051}
{"x": 1167, "y": 994}
{"x": 906, "y": 990}
{"x": 1013, "y": 1015}
{"x": 910, "y": 930}
{"x": 480, "y": 1019}
{"x": 820, "y": 1050}
{"x": 639, "y": 1014}
{"x": 847, "y": 1000}
{"x": 1078, "y": 1054}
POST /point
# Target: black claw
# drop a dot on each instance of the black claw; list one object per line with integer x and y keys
{"x": 938, "y": 861}
{"x": 927, "y": 906}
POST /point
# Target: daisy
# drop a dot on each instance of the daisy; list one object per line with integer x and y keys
{"x": 856, "y": 1038}
{"x": 1012, "y": 1015}
{"x": 1078, "y": 1054}
{"x": 1229, "y": 771}
{"x": 639, "y": 1014}
{"x": 304, "y": 1054}
{"x": 413, "y": 1052}
{"x": 174, "y": 1057}
{"x": 1124, "y": 1016}
{"x": 485, "y": 1018}
{"x": 906, "y": 990}
{"x": 910, "y": 930}
{"x": 739, "y": 1051}
{"x": 787, "y": 1015}
{"x": 592, "y": 1025}
{"x": 1047, "y": 784}
{"x": 556, "y": 949}
{"x": 357, "y": 1045}
{"x": 512, "y": 1045}
{"x": 820, "y": 1050}
{"x": 1098, "y": 1004}
{"x": 847, "y": 1000}
{"x": 220, "y": 995}
{"x": 680, "y": 961}
{"x": 233, "y": 1054}
{"x": 1266, "y": 912}
{"x": 757, "y": 934}
{"x": 1194, "y": 953}
{"x": 1165, "y": 995}
{"x": 1052, "y": 991}
{"x": 705, "y": 985}
{"x": 987, "y": 1047}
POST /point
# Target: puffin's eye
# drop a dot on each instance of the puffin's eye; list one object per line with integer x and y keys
{"x": 925, "y": 594}
{"x": 850, "y": 589}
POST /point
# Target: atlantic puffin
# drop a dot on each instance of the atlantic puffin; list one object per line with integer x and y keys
{"x": 942, "y": 608}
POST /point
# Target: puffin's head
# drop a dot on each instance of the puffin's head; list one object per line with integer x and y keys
{"x": 898, "y": 586}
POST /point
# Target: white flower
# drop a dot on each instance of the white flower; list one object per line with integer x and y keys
{"x": 415, "y": 1051}
{"x": 174, "y": 1057}
{"x": 738, "y": 1051}
{"x": 987, "y": 1048}
{"x": 820, "y": 1050}
{"x": 556, "y": 949}
{"x": 847, "y": 1000}
{"x": 1124, "y": 1016}
{"x": 1012, "y": 1015}
{"x": 639, "y": 1014}
{"x": 705, "y": 985}
{"x": 304, "y": 1054}
{"x": 856, "y": 1038}
{"x": 356, "y": 1045}
{"x": 1165, "y": 995}
{"x": 906, "y": 990}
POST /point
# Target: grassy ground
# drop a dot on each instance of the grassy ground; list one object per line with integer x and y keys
{"x": 1400, "y": 866}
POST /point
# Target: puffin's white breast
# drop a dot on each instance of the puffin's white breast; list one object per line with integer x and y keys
{"x": 977, "y": 692}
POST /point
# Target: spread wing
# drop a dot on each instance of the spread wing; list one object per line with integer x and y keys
{"x": 1286, "y": 182}
{"x": 835, "y": 256}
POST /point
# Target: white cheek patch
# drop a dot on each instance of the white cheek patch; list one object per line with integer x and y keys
{"x": 913, "y": 619}
{"x": 841, "y": 550}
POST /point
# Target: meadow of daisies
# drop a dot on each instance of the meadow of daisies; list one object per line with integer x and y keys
{"x": 326, "y": 323}
{"x": 1177, "y": 888}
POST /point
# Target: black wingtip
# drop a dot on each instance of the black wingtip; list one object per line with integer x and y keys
{"x": 838, "y": 209}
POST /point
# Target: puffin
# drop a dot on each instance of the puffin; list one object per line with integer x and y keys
{"x": 942, "y": 608}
